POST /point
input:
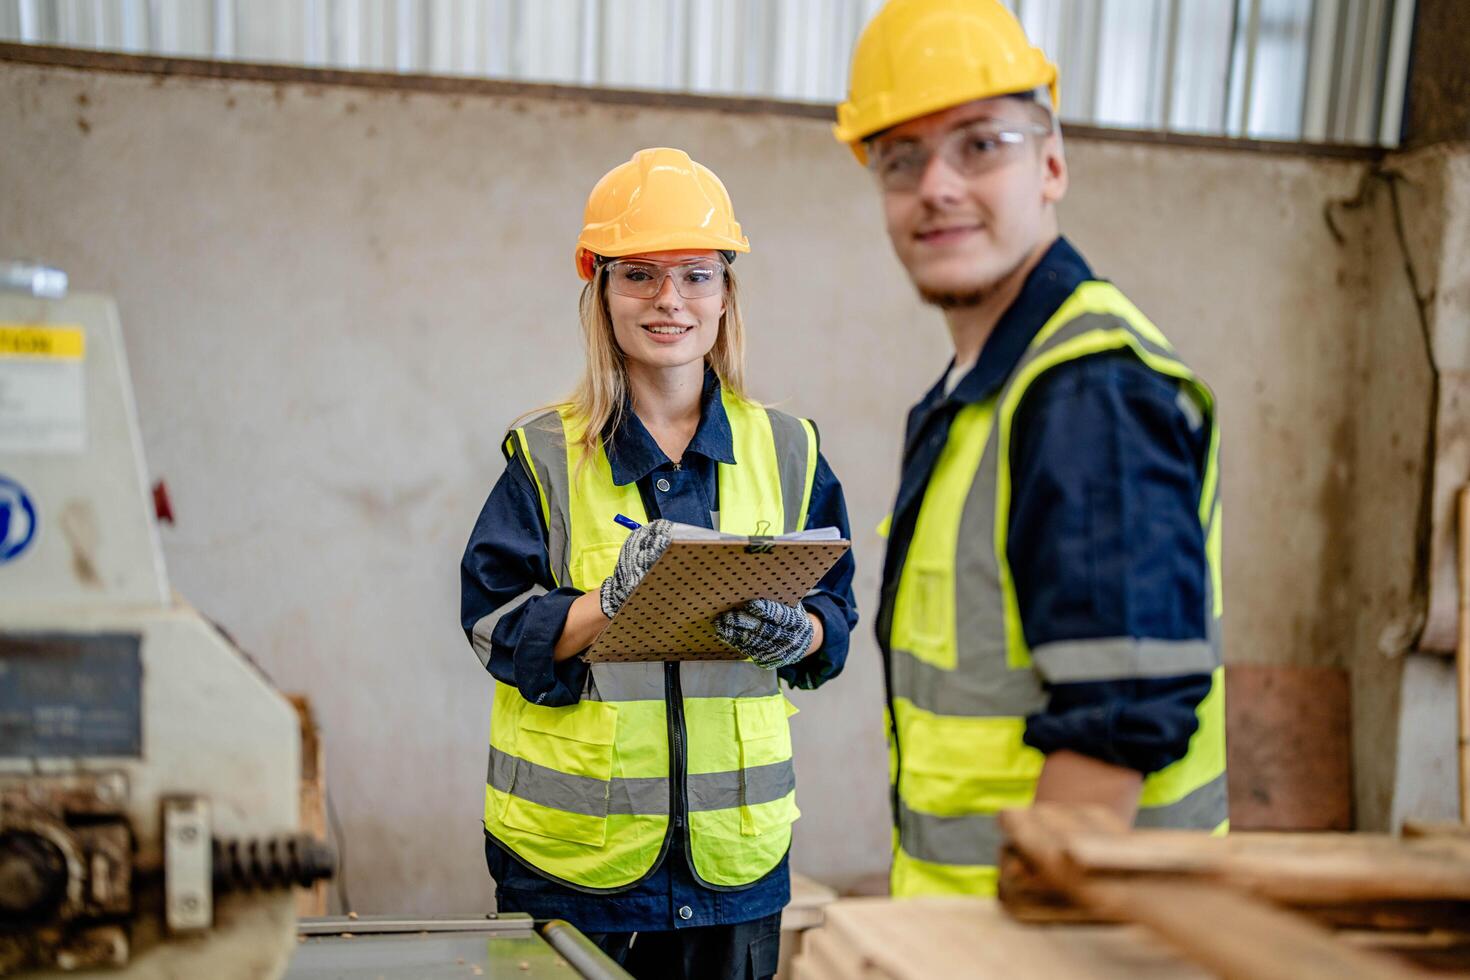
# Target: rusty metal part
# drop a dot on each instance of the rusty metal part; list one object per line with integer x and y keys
{"x": 66, "y": 871}
{"x": 33, "y": 877}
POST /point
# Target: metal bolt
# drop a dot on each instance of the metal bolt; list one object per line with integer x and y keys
{"x": 189, "y": 902}
{"x": 188, "y": 833}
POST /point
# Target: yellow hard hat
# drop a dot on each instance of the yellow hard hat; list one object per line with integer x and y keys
{"x": 921, "y": 56}
{"x": 659, "y": 201}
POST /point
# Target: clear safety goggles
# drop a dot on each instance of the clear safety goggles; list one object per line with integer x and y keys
{"x": 969, "y": 150}
{"x": 642, "y": 279}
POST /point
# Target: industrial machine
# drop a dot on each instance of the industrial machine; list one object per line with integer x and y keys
{"x": 149, "y": 772}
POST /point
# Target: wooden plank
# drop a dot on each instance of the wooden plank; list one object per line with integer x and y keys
{"x": 1462, "y": 651}
{"x": 311, "y": 901}
{"x": 920, "y": 939}
{"x": 1293, "y": 869}
{"x": 1360, "y": 882}
{"x": 1289, "y": 747}
{"x": 808, "y": 899}
{"x": 827, "y": 954}
{"x": 1228, "y": 933}
{"x": 1234, "y": 936}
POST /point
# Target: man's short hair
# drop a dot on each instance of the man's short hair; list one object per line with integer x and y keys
{"x": 1040, "y": 98}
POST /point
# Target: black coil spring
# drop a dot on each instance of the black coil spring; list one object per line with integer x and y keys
{"x": 272, "y": 862}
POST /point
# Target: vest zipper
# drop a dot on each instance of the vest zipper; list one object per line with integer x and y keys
{"x": 677, "y": 791}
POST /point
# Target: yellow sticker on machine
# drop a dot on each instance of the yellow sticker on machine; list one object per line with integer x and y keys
{"x": 65, "y": 343}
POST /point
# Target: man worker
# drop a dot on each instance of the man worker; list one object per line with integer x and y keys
{"x": 1051, "y": 591}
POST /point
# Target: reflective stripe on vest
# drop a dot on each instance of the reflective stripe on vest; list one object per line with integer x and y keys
{"x": 582, "y": 792}
{"x": 963, "y": 679}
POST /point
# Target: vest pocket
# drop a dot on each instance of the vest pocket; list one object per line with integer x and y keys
{"x": 767, "y": 790}
{"x": 595, "y": 563}
{"x": 563, "y": 772}
{"x": 925, "y": 623}
{"x": 954, "y": 766}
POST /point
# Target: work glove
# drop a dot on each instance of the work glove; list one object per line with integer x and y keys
{"x": 640, "y": 551}
{"x": 769, "y": 633}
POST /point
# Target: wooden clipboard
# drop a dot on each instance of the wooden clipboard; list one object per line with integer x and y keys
{"x": 670, "y": 615}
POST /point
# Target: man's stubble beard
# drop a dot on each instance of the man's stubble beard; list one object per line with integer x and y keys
{"x": 947, "y": 299}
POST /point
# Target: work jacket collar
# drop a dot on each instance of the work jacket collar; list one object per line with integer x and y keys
{"x": 633, "y": 453}
{"x": 1061, "y": 270}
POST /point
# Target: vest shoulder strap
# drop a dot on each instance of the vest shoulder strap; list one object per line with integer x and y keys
{"x": 797, "y": 444}
{"x": 540, "y": 446}
{"x": 1095, "y": 319}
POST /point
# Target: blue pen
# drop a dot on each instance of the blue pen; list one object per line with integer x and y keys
{"x": 627, "y": 522}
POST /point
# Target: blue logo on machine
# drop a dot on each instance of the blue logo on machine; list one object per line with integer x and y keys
{"x": 17, "y": 520}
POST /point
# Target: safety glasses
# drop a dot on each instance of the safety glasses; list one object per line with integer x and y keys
{"x": 644, "y": 280}
{"x": 969, "y": 150}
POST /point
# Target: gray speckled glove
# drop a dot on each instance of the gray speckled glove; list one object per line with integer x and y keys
{"x": 640, "y": 551}
{"x": 767, "y": 632}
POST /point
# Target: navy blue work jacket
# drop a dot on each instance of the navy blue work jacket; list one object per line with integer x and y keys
{"x": 1100, "y": 443}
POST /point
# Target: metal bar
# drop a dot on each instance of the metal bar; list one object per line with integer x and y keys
{"x": 673, "y": 35}
{"x": 155, "y": 8}
{"x": 515, "y": 57}
{"x": 132, "y": 25}
{"x": 97, "y": 22}
{"x": 772, "y": 43}
{"x": 1363, "y": 123}
{"x": 222, "y": 29}
{"x": 349, "y": 33}
{"x": 1317, "y": 89}
{"x": 403, "y": 59}
{"x": 378, "y": 925}
{"x": 1248, "y": 81}
{"x": 478, "y": 27}
{"x": 1349, "y": 66}
{"x": 1171, "y": 61}
{"x": 1392, "y": 81}
{"x": 312, "y": 35}
{"x": 844, "y": 37}
{"x": 750, "y": 71}
{"x": 686, "y": 67}
{"x": 1395, "y": 81}
{"x": 588, "y": 37}
{"x": 1079, "y": 43}
{"x": 1229, "y": 91}
{"x": 582, "y": 953}
{"x": 29, "y": 22}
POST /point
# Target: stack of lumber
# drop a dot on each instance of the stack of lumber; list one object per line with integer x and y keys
{"x": 1082, "y": 896}
{"x": 940, "y": 938}
{"x": 1250, "y": 905}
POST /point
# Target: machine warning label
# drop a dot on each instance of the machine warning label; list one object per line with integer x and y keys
{"x": 71, "y": 695}
{"x": 43, "y": 405}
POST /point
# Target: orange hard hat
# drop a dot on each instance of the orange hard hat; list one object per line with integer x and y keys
{"x": 659, "y": 201}
{"x": 916, "y": 57}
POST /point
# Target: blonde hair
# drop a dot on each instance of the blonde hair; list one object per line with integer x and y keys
{"x": 601, "y": 394}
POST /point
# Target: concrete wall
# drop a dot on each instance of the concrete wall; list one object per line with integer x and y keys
{"x": 1407, "y": 474}
{"x": 335, "y": 298}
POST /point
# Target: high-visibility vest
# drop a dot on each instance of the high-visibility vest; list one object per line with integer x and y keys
{"x": 582, "y": 792}
{"x": 962, "y": 678}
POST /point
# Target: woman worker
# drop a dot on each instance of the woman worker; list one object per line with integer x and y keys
{"x": 649, "y": 804}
